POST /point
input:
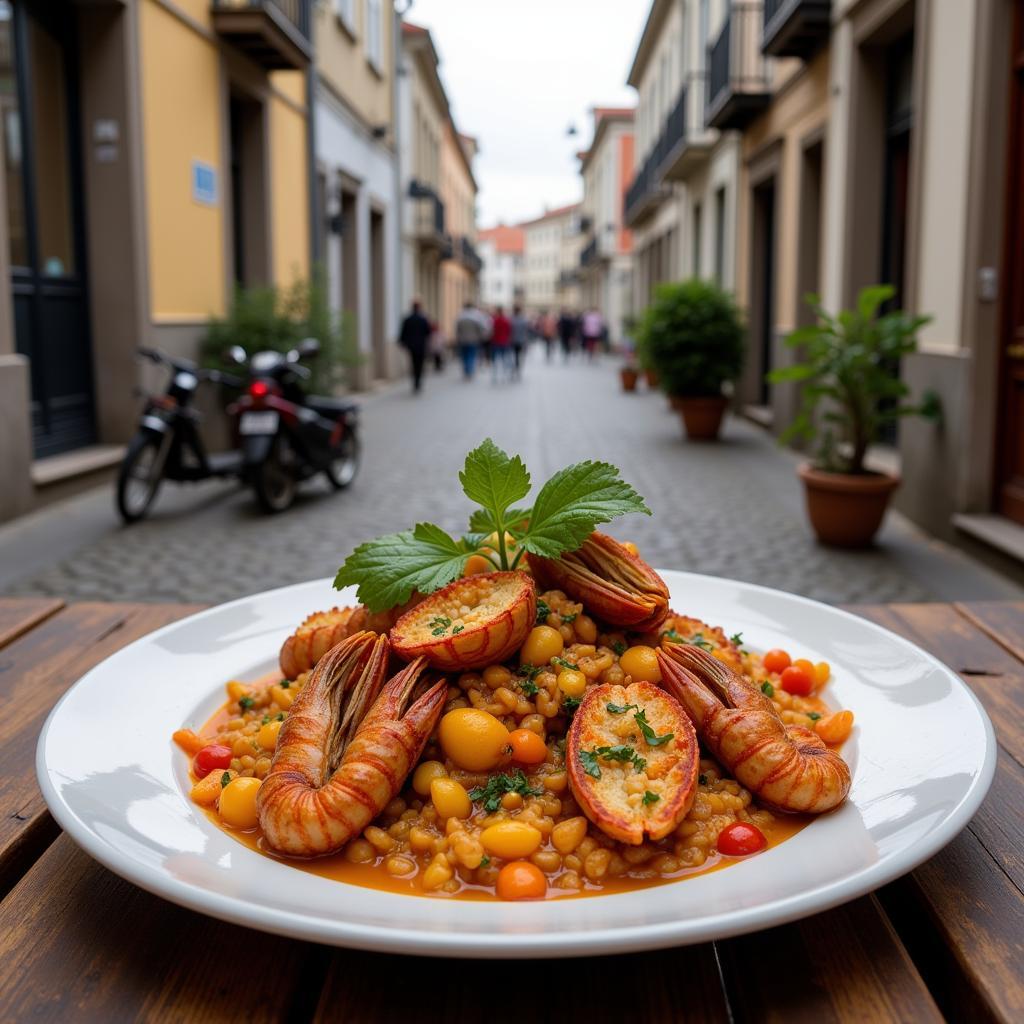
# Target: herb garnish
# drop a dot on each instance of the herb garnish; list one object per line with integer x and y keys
{"x": 767, "y": 689}
{"x": 457, "y": 629}
{"x": 640, "y": 717}
{"x": 737, "y": 639}
{"x": 673, "y": 636}
{"x": 562, "y": 663}
{"x": 565, "y": 512}
{"x": 570, "y": 704}
{"x": 246, "y": 702}
{"x": 650, "y": 798}
{"x": 225, "y": 779}
{"x": 264, "y": 719}
{"x": 697, "y": 640}
{"x": 566, "y": 619}
{"x": 439, "y": 624}
{"x": 498, "y": 785}
{"x": 484, "y": 861}
{"x": 621, "y": 752}
{"x": 813, "y": 715}
{"x": 280, "y": 716}
{"x": 543, "y": 611}
{"x": 285, "y": 684}
{"x": 530, "y": 672}
{"x": 619, "y": 647}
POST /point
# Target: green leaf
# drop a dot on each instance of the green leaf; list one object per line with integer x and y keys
{"x": 573, "y": 502}
{"x": 387, "y": 570}
{"x": 482, "y": 523}
{"x": 653, "y": 739}
{"x": 799, "y": 371}
{"x": 493, "y": 480}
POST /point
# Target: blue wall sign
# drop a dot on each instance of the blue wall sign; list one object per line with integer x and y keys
{"x": 204, "y": 183}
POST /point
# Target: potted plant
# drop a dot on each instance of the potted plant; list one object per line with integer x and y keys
{"x": 629, "y": 375}
{"x": 849, "y": 362}
{"x": 692, "y": 337}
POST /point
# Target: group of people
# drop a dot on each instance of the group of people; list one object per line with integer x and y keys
{"x": 499, "y": 338}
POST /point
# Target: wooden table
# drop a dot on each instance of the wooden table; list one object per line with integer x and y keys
{"x": 78, "y": 943}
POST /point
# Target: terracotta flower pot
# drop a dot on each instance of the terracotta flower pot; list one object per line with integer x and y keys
{"x": 652, "y": 378}
{"x": 702, "y": 417}
{"x": 629, "y": 378}
{"x": 846, "y": 509}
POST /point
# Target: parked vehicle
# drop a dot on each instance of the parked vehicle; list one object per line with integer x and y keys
{"x": 167, "y": 445}
{"x": 287, "y": 436}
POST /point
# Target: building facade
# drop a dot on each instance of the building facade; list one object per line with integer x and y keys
{"x": 155, "y": 156}
{"x": 606, "y": 258}
{"x": 460, "y": 274}
{"x": 501, "y": 278}
{"x": 357, "y": 174}
{"x": 551, "y": 258}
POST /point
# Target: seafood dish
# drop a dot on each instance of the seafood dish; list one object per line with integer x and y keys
{"x": 519, "y": 714}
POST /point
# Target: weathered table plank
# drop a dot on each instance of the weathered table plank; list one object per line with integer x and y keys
{"x": 1001, "y": 620}
{"x": 35, "y": 670}
{"x": 19, "y": 614}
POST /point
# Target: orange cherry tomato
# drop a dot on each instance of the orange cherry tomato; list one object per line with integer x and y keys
{"x": 740, "y": 840}
{"x": 797, "y": 680}
{"x": 822, "y": 671}
{"x": 527, "y": 747}
{"x": 521, "y": 880}
{"x": 776, "y": 660}
{"x": 807, "y": 666}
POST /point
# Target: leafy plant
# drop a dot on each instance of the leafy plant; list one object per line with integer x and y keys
{"x": 564, "y": 513}
{"x": 850, "y": 361}
{"x": 272, "y": 318}
{"x": 692, "y": 337}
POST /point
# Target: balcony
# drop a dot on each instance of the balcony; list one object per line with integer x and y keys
{"x": 428, "y": 219}
{"x": 688, "y": 144}
{"x": 590, "y": 254}
{"x": 737, "y": 79}
{"x": 795, "y": 28}
{"x": 468, "y": 256}
{"x": 646, "y": 192}
{"x": 276, "y": 34}
{"x": 567, "y": 278}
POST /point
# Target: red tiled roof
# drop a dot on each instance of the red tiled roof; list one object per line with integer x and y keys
{"x": 506, "y": 237}
{"x": 558, "y": 211}
{"x": 600, "y": 112}
{"x": 413, "y": 30}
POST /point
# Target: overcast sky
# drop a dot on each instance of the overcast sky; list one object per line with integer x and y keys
{"x": 517, "y": 75}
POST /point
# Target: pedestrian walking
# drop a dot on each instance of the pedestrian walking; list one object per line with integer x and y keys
{"x": 520, "y": 339}
{"x": 547, "y": 328}
{"x": 501, "y": 338}
{"x": 472, "y": 327}
{"x": 414, "y": 337}
{"x": 567, "y": 329}
{"x": 593, "y": 331}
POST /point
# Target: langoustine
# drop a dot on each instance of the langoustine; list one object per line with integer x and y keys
{"x": 786, "y": 766}
{"x": 339, "y": 761}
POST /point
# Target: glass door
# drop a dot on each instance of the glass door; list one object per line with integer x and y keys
{"x": 38, "y": 118}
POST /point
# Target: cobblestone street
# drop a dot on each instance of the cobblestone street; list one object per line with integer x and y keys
{"x": 731, "y": 509}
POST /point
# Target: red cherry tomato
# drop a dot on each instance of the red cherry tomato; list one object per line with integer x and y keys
{"x": 797, "y": 680}
{"x": 740, "y": 840}
{"x": 211, "y": 758}
{"x": 776, "y": 660}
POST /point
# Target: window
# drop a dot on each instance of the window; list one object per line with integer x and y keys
{"x": 697, "y": 243}
{"x": 374, "y": 47}
{"x": 720, "y": 236}
{"x": 346, "y": 11}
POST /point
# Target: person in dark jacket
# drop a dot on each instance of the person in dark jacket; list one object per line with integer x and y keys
{"x": 414, "y": 337}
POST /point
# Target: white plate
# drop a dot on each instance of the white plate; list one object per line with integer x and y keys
{"x": 922, "y": 756}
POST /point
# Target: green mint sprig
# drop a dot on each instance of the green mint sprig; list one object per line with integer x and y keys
{"x": 565, "y": 512}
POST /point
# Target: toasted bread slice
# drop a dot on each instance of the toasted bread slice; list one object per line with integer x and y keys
{"x": 473, "y": 622}
{"x": 315, "y": 637}
{"x": 630, "y": 780}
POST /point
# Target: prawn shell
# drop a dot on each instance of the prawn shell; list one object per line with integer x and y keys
{"x": 488, "y": 641}
{"x": 677, "y": 763}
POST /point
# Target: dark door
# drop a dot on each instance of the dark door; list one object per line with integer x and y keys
{"x": 38, "y": 104}
{"x": 1010, "y": 474}
{"x": 763, "y": 284}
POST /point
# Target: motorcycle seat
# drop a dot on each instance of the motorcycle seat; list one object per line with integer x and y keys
{"x": 331, "y": 408}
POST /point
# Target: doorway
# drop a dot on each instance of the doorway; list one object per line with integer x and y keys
{"x": 43, "y": 176}
{"x": 808, "y": 271}
{"x": 1010, "y": 441}
{"x": 350, "y": 262}
{"x": 377, "y": 298}
{"x": 762, "y": 285}
{"x": 250, "y": 247}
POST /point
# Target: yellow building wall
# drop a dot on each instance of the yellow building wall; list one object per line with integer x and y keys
{"x": 289, "y": 192}
{"x": 181, "y": 107}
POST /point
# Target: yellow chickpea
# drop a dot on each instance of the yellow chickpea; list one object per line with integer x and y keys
{"x": 267, "y": 736}
{"x": 586, "y": 629}
{"x": 475, "y": 740}
{"x": 641, "y": 662}
{"x": 511, "y": 840}
{"x": 237, "y": 804}
{"x": 543, "y": 644}
{"x": 425, "y": 774}
{"x": 450, "y": 799}
{"x": 572, "y": 682}
{"x": 496, "y": 676}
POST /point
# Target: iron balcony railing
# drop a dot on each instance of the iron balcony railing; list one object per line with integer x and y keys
{"x": 795, "y": 28}
{"x": 471, "y": 259}
{"x": 297, "y": 13}
{"x": 737, "y": 76}
{"x": 589, "y": 253}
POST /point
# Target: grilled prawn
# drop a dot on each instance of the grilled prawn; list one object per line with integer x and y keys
{"x": 786, "y": 766}
{"x": 339, "y": 761}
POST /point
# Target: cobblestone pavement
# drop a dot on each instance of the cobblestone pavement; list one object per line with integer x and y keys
{"x": 731, "y": 509}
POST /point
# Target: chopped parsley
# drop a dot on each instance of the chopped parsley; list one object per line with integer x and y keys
{"x": 737, "y": 639}
{"x": 767, "y": 689}
{"x": 570, "y": 704}
{"x": 621, "y": 752}
{"x": 813, "y": 715}
{"x": 566, "y": 619}
{"x": 225, "y": 779}
{"x": 673, "y": 636}
{"x": 285, "y": 684}
{"x": 457, "y": 629}
{"x": 619, "y": 647}
{"x": 484, "y": 861}
{"x": 640, "y": 717}
{"x": 439, "y": 625}
{"x": 650, "y": 798}
{"x": 562, "y": 663}
{"x": 527, "y": 684}
{"x": 697, "y": 640}
{"x": 264, "y": 719}
{"x": 702, "y": 779}
{"x": 246, "y": 702}
{"x": 543, "y": 611}
{"x": 498, "y": 785}
{"x": 280, "y": 716}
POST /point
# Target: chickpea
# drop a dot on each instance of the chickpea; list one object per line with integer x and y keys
{"x": 398, "y": 865}
{"x": 543, "y": 644}
{"x": 641, "y": 662}
{"x": 572, "y": 682}
{"x": 420, "y": 839}
{"x": 359, "y": 851}
{"x": 566, "y": 836}
{"x": 267, "y": 735}
{"x": 425, "y": 774}
{"x": 438, "y": 872}
{"x": 511, "y": 840}
{"x": 496, "y": 676}
{"x": 586, "y": 630}
{"x": 450, "y": 799}
{"x": 473, "y": 739}
{"x": 547, "y": 860}
{"x": 378, "y": 839}
{"x": 595, "y": 864}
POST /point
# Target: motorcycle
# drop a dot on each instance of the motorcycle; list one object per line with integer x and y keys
{"x": 167, "y": 445}
{"x": 287, "y": 436}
